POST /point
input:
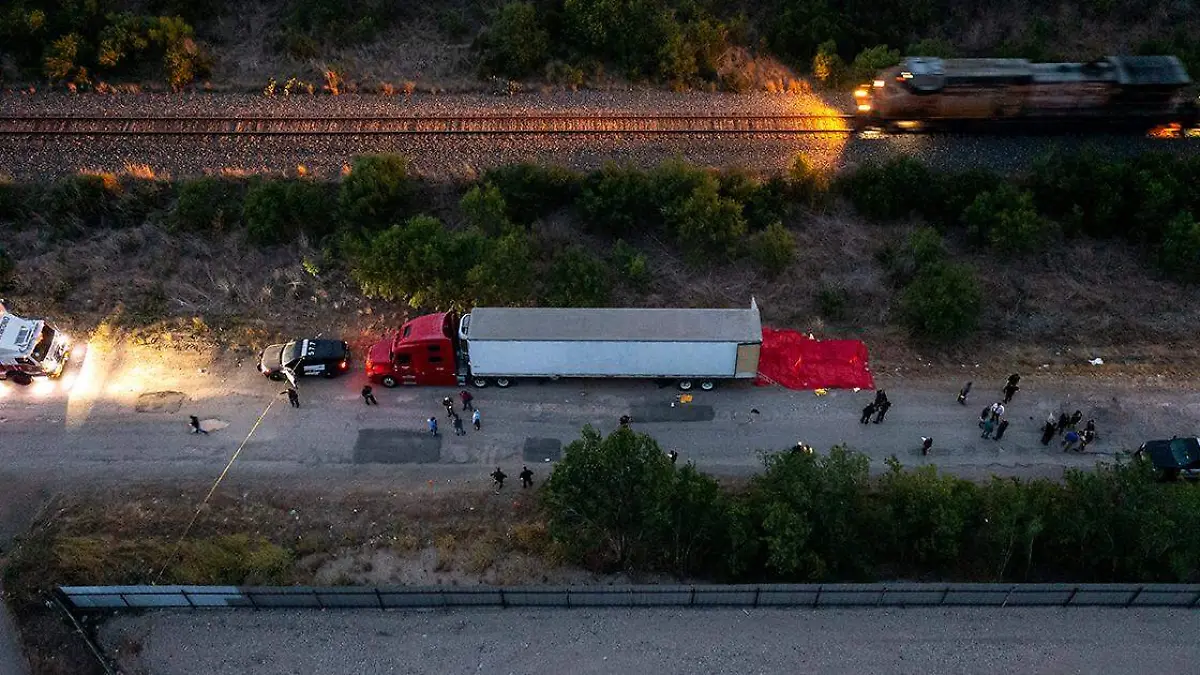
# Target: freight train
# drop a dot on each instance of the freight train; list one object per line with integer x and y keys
{"x": 1115, "y": 91}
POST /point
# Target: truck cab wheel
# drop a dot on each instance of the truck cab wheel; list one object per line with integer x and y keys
{"x": 276, "y": 376}
{"x": 388, "y": 381}
{"x": 18, "y": 377}
{"x": 503, "y": 382}
{"x": 479, "y": 382}
{"x": 708, "y": 385}
{"x": 685, "y": 385}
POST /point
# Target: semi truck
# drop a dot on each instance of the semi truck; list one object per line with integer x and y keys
{"x": 495, "y": 345}
{"x": 30, "y": 348}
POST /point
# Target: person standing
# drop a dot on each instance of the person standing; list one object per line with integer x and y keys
{"x": 624, "y": 421}
{"x": 866, "y": 413}
{"x": 1010, "y": 390}
{"x": 476, "y": 419}
{"x": 1048, "y": 430}
{"x": 997, "y": 411}
{"x": 1000, "y": 428}
{"x": 468, "y": 400}
{"x": 983, "y": 416}
{"x": 673, "y": 456}
{"x": 1063, "y": 421}
{"x": 880, "y": 397}
{"x": 1076, "y": 417}
{"x": 988, "y": 426}
{"x": 293, "y": 396}
{"x": 926, "y": 445}
{"x": 449, "y": 406}
{"x": 433, "y": 427}
{"x": 194, "y": 423}
{"x": 526, "y": 477}
{"x": 962, "y": 393}
{"x": 458, "y": 426}
{"x": 883, "y": 408}
{"x": 367, "y": 395}
{"x": 498, "y": 477}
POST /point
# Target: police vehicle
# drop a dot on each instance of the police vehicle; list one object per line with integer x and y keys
{"x": 328, "y": 358}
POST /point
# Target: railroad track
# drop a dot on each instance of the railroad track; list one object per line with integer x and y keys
{"x": 489, "y": 124}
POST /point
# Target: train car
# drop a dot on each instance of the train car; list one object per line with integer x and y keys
{"x": 923, "y": 92}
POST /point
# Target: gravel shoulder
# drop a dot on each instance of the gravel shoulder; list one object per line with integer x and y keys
{"x": 961, "y": 640}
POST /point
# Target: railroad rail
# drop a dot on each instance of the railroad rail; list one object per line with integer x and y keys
{"x": 414, "y": 125}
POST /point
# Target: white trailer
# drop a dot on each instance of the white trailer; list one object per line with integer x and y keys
{"x": 696, "y": 347}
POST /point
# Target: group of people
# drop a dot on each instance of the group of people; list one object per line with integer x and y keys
{"x": 877, "y": 408}
{"x": 1068, "y": 427}
{"x": 526, "y": 477}
{"x": 468, "y": 403}
{"x": 991, "y": 418}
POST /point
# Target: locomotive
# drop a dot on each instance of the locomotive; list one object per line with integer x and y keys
{"x": 1115, "y": 91}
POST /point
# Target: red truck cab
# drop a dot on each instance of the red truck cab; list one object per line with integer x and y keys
{"x": 424, "y": 352}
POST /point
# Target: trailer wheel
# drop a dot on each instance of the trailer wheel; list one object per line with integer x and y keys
{"x": 503, "y": 382}
{"x": 388, "y": 381}
{"x": 685, "y": 385}
{"x": 479, "y": 382}
{"x": 708, "y": 385}
{"x": 18, "y": 377}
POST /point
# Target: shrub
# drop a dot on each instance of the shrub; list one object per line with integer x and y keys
{"x": 953, "y": 192}
{"x": 630, "y": 264}
{"x": 1179, "y": 253}
{"x": 616, "y": 200}
{"x": 832, "y": 301}
{"x": 870, "y": 61}
{"x": 773, "y": 249}
{"x": 63, "y": 61}
{"x": 419, "y": 261}
{"x": 895, "y": 189}
{"x": 483, "y": 206}
{"x": 516, "y": 44}
{"x": 505, "y": 273}
{"x": 533, "y": 190}
{"x": 597, "y": 473}
{"x": 208, "y": 204}
{"x": 377, "y": 193}
{"x": 277, "y": 211}
{"x": 79, "y": 202}
{"x": 805, "y": 183}
{"x": 577, "y": 278}
{"x": 827, "y": 67}
{"x": 1006, "y": 220}
{"x": 942, "y": 303}
{"x": 706, "y": 224}
{"x": 932, "y": 47}
{"x": 928, "y": 516}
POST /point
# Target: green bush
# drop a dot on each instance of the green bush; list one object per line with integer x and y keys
{"x": 516, "y": 44}
{"x": 952, "y": 192}
{"x": 706, "y": 225}
{"x": 484, "y": 207}
{"x": 77, "y": 203}
{"x": 942, "y": 303}
{"x": 926, "y": 247}
{"x": 533, "y": 190}
{"x": 617, "y": 200}
{"x": 1006, "y": 220}
{"x": 277, "y": 211}
{"x": 1179, "y": 253}
{"x": 827, "y": 67}
{"x": 832, "y": 302}
{"x": 343, "y": 23}
{"x": 932, "y": 47}
{"x": 208, "y": 204}
{"x": 505, "y": 273}
{"x": 631, "y": 265}
{"x": 377, "y": 193}
{"x": 870, "y": 61}
{"x": 577, "y": 278}
{"x": 773, "y": 249}
{"x": 929, "y": 517}
{"x": 889, "y": 191}
{"x": 420, "y": 262}
{"x": 805, "y": 184}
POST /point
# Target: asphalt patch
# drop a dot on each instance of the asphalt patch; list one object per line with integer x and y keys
{"x": 160, "y": 402}
{"x": 396, "y": 446}
{"x": 663, "y": 412}
{"x": 542, "y": 450}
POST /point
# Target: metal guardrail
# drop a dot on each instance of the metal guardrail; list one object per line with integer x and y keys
{"x": 108, "y": 598}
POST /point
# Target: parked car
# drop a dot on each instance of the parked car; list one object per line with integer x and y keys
{"x": 328, "y": 358}
{"x": 1174, "y": 458}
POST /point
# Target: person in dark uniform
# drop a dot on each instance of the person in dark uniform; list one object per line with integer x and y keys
{"x": 625, "y": 420}
{"x": 673, "y": 456}
{"x": 962, "y": 393}
{"x": 194, "y": 423}
{"x": 526, "y": 477}
{"x": 448, "y": 404}
{"x": 498, "y": 476}
{"x": 926, "y": 445}
{"x": 293, "y": 396}
{"x": 1000, "y": 429}
{"x": 1048, "y": 430}
{"x": 367, "y": 396}
{"x": 866, "y": 413}
{"x": 883, "y": 408}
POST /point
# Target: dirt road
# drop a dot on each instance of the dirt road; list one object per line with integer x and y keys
{"x": 962, "y": 640}
{"x": 126, "y": 418}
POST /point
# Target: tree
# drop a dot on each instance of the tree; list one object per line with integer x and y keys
{"x": 827, "y": 67}
{"x": 607, "y": 499}
{"x": 577, "y": 278}
{"x": 870, "y": 61}
{"x": 208, "y": 204}
{"x": 697, "y": 525}
{"x": 774, "y": 249}
{"x": 942, "y": 303}
{"x": 1005, "y": 219}
{"x": 377, "y": 193}
{"x": 928, "y": 516}
{"x": 616, "y": 200}
{"x": 418, "y": 261}
{"x": 504, "y": 275}
{"x": 533, "y": 190}
{"x": 484, "y": 208}
{"x": 516, "y": 44}
{"x": 706, "y": 224}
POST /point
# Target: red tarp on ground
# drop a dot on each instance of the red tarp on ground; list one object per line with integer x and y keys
{"x": 791, "y": 359}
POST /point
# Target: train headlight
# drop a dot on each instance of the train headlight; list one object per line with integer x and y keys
{"x": 860, "y": 93}
{"x": 864, "y": 107}
{"x": 878, "y": 84}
